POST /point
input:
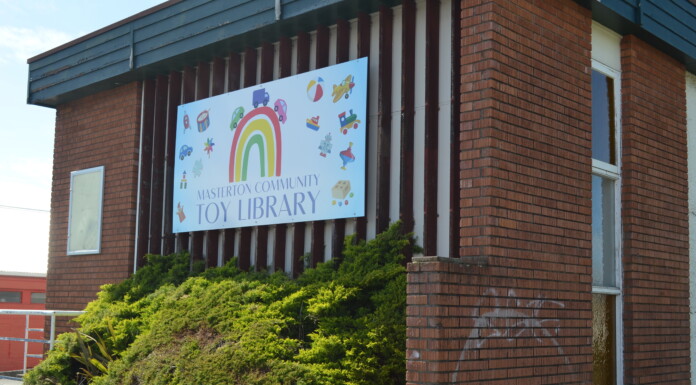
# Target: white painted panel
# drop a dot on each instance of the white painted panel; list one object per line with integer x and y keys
{"x": 444, "y": 129}
{"x": 691, "y": 152}
{"x": 419, "y": 124}
{"x": 276, "y": 60}
{"x": 606, "y": 46}
{"x": 328, "y": 231}
{"x": 289, "y": 236}
{"x": 395, "y": 170}
{"x": 220, "y": 243}
{"x": 270, "y": 249}
{"x": 313, "y": 50}
{"x": 252, "y": 249}
{"x": 237, "y": 241}
{"x": 332, "y": 44}
{"x": 353, "y": 40}
{"x": 293, "y": 56}
{"x": 308, "y": 237}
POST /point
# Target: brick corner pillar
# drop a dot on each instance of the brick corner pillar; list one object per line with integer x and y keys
{"x": 654, "y": 199}
{"x": 102, "y": 129}
{"x": 515, "y": 304}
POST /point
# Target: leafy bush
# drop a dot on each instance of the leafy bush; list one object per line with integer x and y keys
{"x": 168, "y": 325}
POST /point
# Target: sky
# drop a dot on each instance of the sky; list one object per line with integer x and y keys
{"x": 28, "y": 28}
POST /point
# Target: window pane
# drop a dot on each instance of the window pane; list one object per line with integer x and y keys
{"x": 603, "y": 123}
{"x": 38, "y": 297}
{"x": 603, "y": 339}
{"x": 603, "y": 232}
{"x": 85, "y": 211}
{"x": 11, "y": 296}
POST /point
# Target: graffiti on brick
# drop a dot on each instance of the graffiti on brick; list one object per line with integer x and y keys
{"x": 511, "y": 318}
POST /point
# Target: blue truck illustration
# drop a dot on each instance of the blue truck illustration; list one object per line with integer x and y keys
{"x": 260, "y": 97}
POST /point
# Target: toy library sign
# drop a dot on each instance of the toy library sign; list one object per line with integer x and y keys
{"x": 291, "y": 150}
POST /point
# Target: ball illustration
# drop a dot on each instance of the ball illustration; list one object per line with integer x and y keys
{"x": 315, "y": 89}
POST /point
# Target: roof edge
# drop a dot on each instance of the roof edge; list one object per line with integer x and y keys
{"x": 109, "y": 27}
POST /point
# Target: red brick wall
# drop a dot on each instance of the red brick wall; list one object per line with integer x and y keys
{"x": 524, "y": 316}
{"x": 99, "y": 130}
{"x": 655, "y": 216}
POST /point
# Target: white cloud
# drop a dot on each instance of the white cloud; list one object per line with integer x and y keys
{"x": 19, "y": 44}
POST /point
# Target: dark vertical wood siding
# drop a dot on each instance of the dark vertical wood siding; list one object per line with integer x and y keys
{"x": 174, "y": 99}
{"x": 282, "y": 247}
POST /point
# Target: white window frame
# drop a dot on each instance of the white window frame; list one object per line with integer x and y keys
{"x": 100, "y": 193}
{"x": 613, "y": 172}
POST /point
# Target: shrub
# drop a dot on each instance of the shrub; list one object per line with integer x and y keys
{"x": 340, "y": 324}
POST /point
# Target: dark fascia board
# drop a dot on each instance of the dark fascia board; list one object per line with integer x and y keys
{"x": 153, "y": 42}
{"x": 669, "y": 25}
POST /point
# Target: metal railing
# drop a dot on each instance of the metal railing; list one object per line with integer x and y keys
{"x": 52, "y": 334}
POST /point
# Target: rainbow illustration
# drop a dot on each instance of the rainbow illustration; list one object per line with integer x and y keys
{"x": 261, "y": 128}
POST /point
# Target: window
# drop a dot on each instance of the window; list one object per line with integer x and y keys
{"x": 10, "y": 297}
{"x": 606, "y": 250}
{"x": 38, "y": 297}
{"x": 84, "y": 223}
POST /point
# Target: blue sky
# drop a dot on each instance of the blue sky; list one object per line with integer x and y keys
{"x": 28, "y": 28}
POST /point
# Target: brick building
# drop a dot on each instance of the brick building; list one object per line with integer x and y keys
{"x": 538, "y": 149}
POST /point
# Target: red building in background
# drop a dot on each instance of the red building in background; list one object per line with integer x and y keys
{"x": 26, "y": 291}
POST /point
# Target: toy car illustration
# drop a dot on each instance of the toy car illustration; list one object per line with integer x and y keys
{"x": 282, "y": 109}
{"x": 236, "y": 117}
{"x": 185, "y": 151}
{"x": 348, "y": 121}
{"x": 259, "y": 97}
{"x": 344, "y": 89}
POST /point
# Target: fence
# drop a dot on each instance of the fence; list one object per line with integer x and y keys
{"x": 52, "y": 332}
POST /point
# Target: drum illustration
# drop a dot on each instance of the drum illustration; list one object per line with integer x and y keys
{"x": 203, "y": 121}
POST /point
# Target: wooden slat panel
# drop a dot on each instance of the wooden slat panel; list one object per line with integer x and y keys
{"x": 298, "y": 244}
{"x": 234, "y": 70}
{"x": 279, "y": 247}
{"x": 145, "y": 172}
{"x": 302, "y": 52}
{"x": 454, "y": 134}
{"x": 218, "y": 74}
{"x": 322, "y": 60}
{"x": 364, "y": 27}
{"x": 202, "y": 92}
{"x": 218, "y": 87}
{"x": 157, "y": 154}
{"x": 211, "y": 245}
{"x": 384, "y": 111}
{"x": 285, "y": 64}
{"x": 188, "y": 95}
{"x": 342, "y": 41}
{"x": 174, "y": 99}
{"x": 245, "y": 239}
{"x": 322, "y": 57}
{"x": 299, "y": 228}
{"x": 249, "y": 67}
{"x": 342, "y": 53}
{"x": 408, "y": 38}
{"x": 432, "y": 64}
{"x": 285, "y": 57}
{"x": 262, "y": 261}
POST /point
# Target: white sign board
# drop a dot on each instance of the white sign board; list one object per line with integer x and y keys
{"x": 291, "y": 150}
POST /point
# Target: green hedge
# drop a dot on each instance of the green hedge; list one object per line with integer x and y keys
{"x": 171, "y": 323}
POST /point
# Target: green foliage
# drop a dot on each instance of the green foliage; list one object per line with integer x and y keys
{"x": 340, "y": 324}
